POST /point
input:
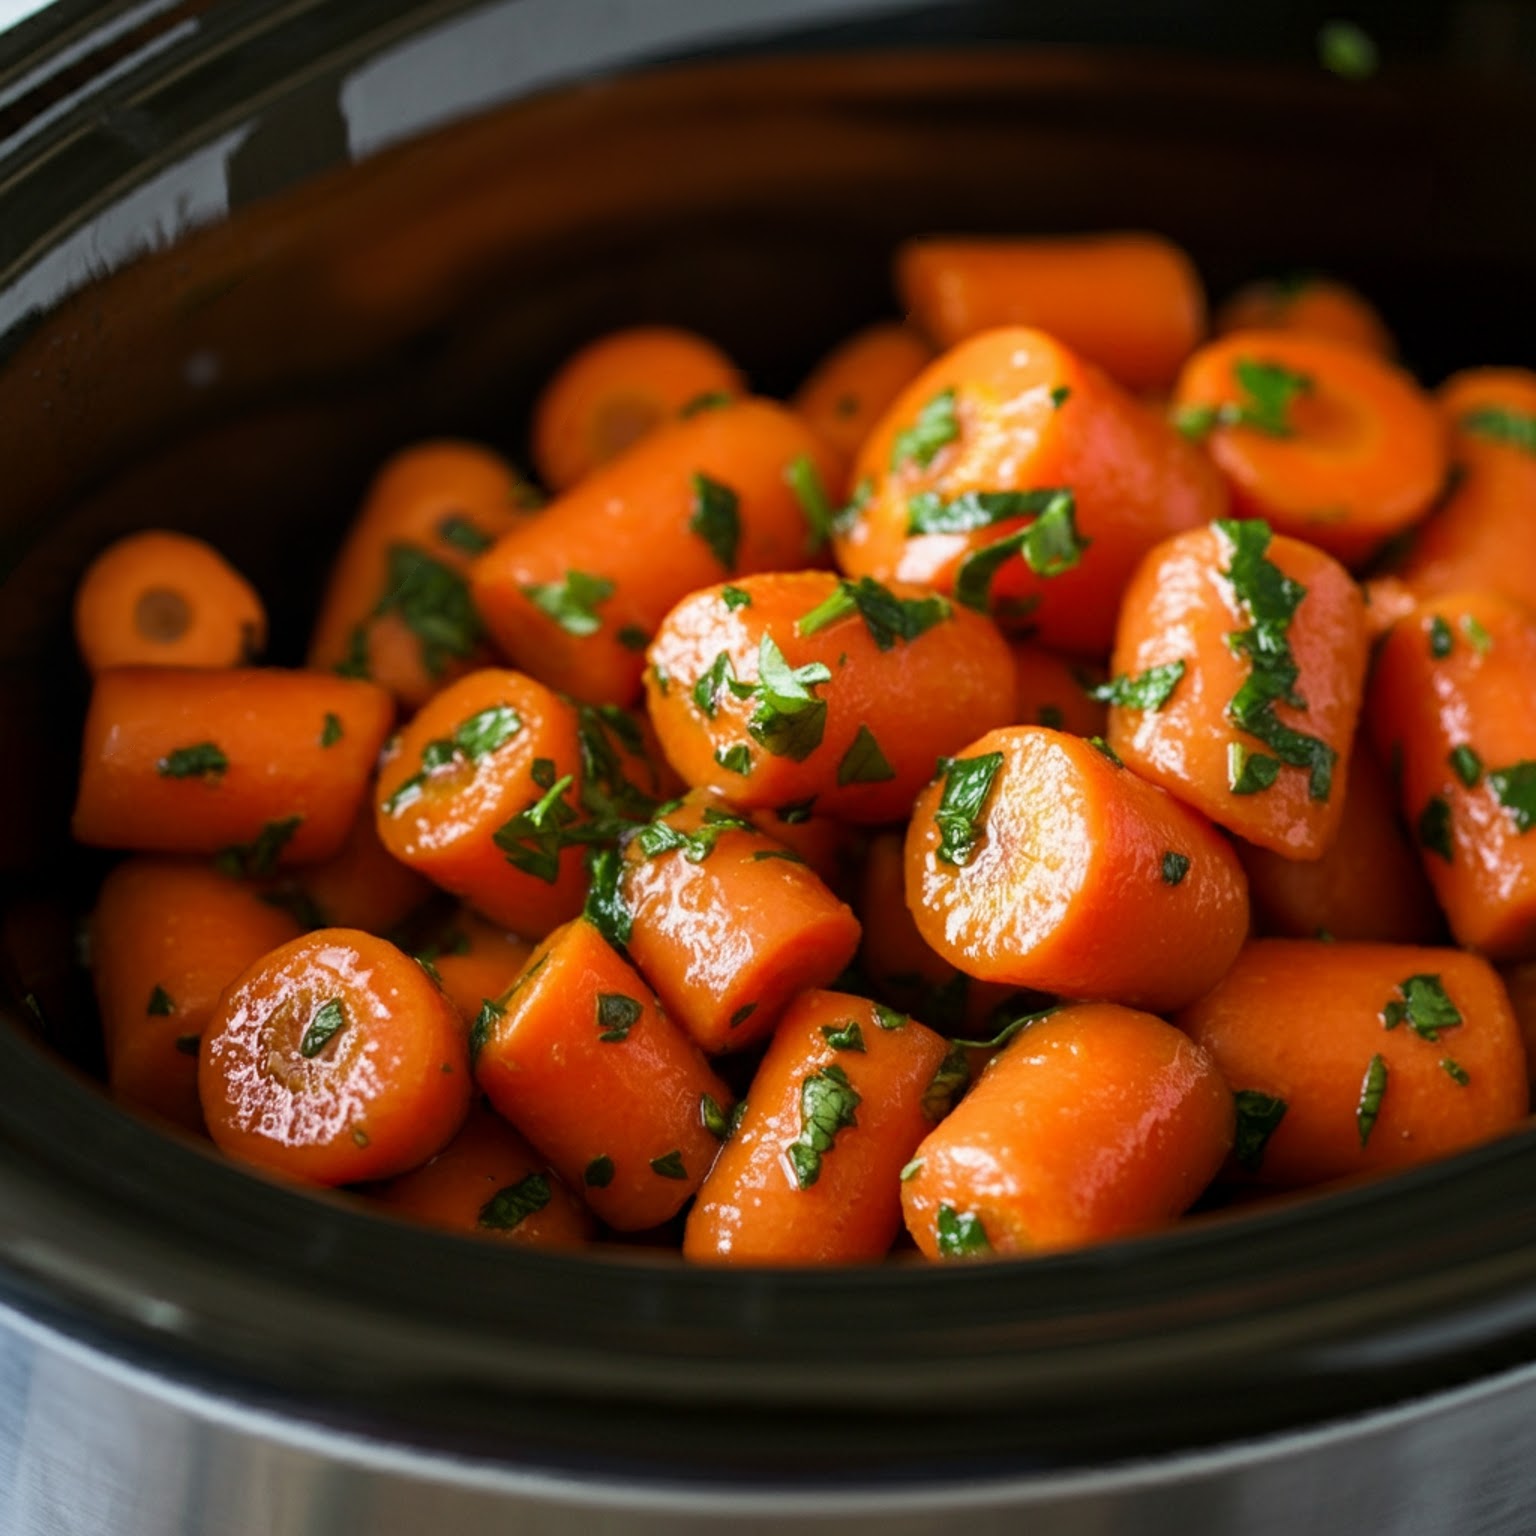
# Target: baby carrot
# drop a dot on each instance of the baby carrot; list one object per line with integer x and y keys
{"x": 1096, "y": 1122}
{"x": 617, "y": 390}
{"x": 1316, "y": 306}
{"x": 1052, "y": 690}
{"x": 167, "y": 936}
{"x": 849, "y": 389}
{"x": 1039, "y": 860}
{"x": 581, "y": 1059}
{"x": 489, "y": 1182}
{"x": 1369, "y": 884}
{"x": 829, "y": 846}
{"x": 1326, "y": 442}
{"x": 1355, "y": 1058}
{"x": 1238, "y": 672}
{"x": 332, "y": 1060}
{"x": 397, "y": 608}
{"x": 575, "y": 596}
{"x": 364, "y": 886}
{"x": 838, "y": 1106}
{"x": 1450, "y": 702}
{"x": 158, "y": 599}
{"x": 1520, "y": 983}
{"x": 801, "y": 689}
{"x": 1388, "y": 598}
{"x": 475, "y": 960}
{"x": 1132, "y": 303}
{"x": 262, "y": 767}
{"x": 495, "y": 790}
{"x": 727, "y": 924}
{"x": 1016, "y": 476}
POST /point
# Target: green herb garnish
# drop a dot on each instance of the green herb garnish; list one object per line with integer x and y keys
{"x": 1050, "y": 546}
{"x": 1175, "y": 867}
{"x": 961, "y": 1236}
{"x": 967, "y": 783}
{"x": 572, "y": 603}
{"x": 1440, "y": 638}
{"x": 828, "y": 1104}
{"x": 1268, "y": 392}
{"x": 258, "y": 858}
{"x": 735, "y": 597}
{"x": 331, "y": 731}
{"x": 820, "y": 516}
{"x": 1423, "y": 1006}
{"x": 1466, "y": 764}
{"x": 598, "y": 1173}
{"x": 1515, "y": 789}
{"x": 433, "y": 602}
{"x": 1457, "y": 1073}
{"x": 1148, "y": 690}
{"x": 789, "y": 719}
{"x": 328, "y": 1020}
{"x": 204, "y": 760}
{"x": 617, "y": 1014}
{"x": 735, "y": 759}
{"x": 1498, "y": 425}
{"x": 1104, "y": 749}
{"x": 844, "y": 1037}
{"x": 1258, "y": 1117}
{"x": 936, "y": 425}
{"x": 1249, "y": 773}
{"x": 716, "y": 519}
{"x": 669, "y": 1166}
{"x": 1372, "y": 1090}
{"x": 1434, "y": 827}
{"x": 160, "y": 1003}
{"x": 715, "y": 1120}
{"x": 888, "y": 618}
{"x": 1345, "y": 50}
{"x": 864, "y": 762}
{"x": 510, "y": 1207}
{"x": 461, "y": 534}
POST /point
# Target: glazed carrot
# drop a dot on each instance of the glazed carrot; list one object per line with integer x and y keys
{"x": 489, "y": 1182}
{"x": 262, "y": 767}
{"x": 332, "y": 1060}
{"x": 1520, "y": 983}
{"x": 1096, "y": 1122}
{"x": 397, "y": 608}
{"x": 167, "y": 936}
{"x": 1132, "y": 303}
{"x": 829, "y": 846}
{"x": 619, "y": 389}
{"x": 362, "y": 887}
{"x": 727, "y": 924}
{"x": 475, "y": 960}
{"x": 1326, "y": 442}
{"x": 1016, "y": 476}
{"x": 1356, "y": 1058}
{"x": 1388, "y": 598}
{"x": 1482, "y": 538}
{"x": 1037, "y": 859}
{"x": 838, "y": 1106}
{"x": 1052, "y": 690}
{"x": 1239, "y": 661}
{"x": 159, "y": 599}
{"x": 496, "y": 789}
{"x": 581, "y": 1059}
{"x": 575, "y": 596}
{"x": 1450, "y": 701}
{"x": 1316, "y": 306}
{"x": 801, "y": 689}
{"x": 1368, "y": 885}
{"x": 849, "y": 389}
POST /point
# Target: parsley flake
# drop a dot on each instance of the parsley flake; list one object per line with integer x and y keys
{"x": 1050, "y": 545}
{"x": 1148, "y": 690}
{"x": 670, "y": 1166}
{"x": 1466, "y": 764}
{"x": 508, "y": 1208}
{"x": 1423, "y": 1005}
{"x": 1434, "y": 827}
{"x": 846, "y": 1036}
{"x": 820, "y": 516}
{"x": 328, "y": 1020}
{"x": 716, "y": 519}
{"x": 433, "y": 602}
{"x": 828, "y": 1104}
{"x": 258, "y": 858}
{"x": 936, "y": 425}
{"x": 459, "y": 533}
{"x": 714, "y": 1119}
{"x": 1175, "y": 867}
{"x": 598, "y": 1173}
{"x": 1515, "y": 789}
{"x": 960, "y": 1235}
{"x": 1457, "y": 1073}
{"x": 949, "y": 1081}
{"x": 1258, "y": 1117}
{"x": 789, "y": 719}
{"x": 160, "y": 1003}
{"x": 1440, "y": 638}
{"x": 1498, "y": 425}
{"x": 888, "y": 618}
{"x": 1373, "y": 1089}
{"x": 617, "y": 1014}
{"x": 735, "y": 597}
{"x": 735, "y": 759}
{"x": 332, "y": 730}
{"x": 572, "y": 603}
{"x": 864, "y": 762}
{"x": 204, "y": 760}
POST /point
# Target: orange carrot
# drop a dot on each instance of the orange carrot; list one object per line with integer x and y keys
{"x": 1450, "y": 703}
{"x": 849, "y": 389}
{"x": 727, "y": 924}
{"x": 1368, "y": 885}
{"x": 1355, "y": 1058}
{"x": 1520, "y": 983}
{"x": 1238, "y": 669}
{"x": 332, "y": 1060}
{"x": 1054, "y": 691}
{"x": 1017, "y": 476}
{"x": 362, "y": 887}
{"x": 475, "y": 960}
{"x": 262, "y": 767}
{"x": 398, "y": 608}
{"x": 829, "y": 846}
{"x": 1387, "y": 599}
{"x": 1038, "y": 860}
{"x": 1096, "y": 1122}
{"x": 1326, "y": 442}
{"x": 581, "y": 1059}
{"x": 167, "y": 936}
{"x": 619, "y": 389}
{"x": 1316, "y": 306}
{"x": 800, "y": 689}
{"x": 840, "y": 1102}
{"x": 488, "y": 1181}
{"x": 1132, "y": 303}
{"x": 158, "y": 599}
{"x": 575, "y": 596}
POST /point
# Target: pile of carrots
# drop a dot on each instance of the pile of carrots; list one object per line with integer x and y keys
{"x": 1057, "y": 769}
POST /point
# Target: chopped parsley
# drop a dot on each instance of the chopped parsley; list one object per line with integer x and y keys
{"x": 890, "y": 1018}
{"x": 617, "y": 1014}
{"x": 1050, "y": 546}
{"x": 572, "y": 603}
{"x": 1498, "y": 425}
{"x": 1175, "y": 867}
{"x": 459, "y": 533}
{"x": 1249, "y": 773}
{"x": 510, "y": 1207}
{"x": 607, "y": 794}
{"x": 355, "y": 662}
{"x": 716, "y": 519}
{"x": 1104, "y": 749}
{"x": 1434, "y": 827}
{"x": 258, "y": 858}
{"x": 735, "y": 759}
{"x": 490, "y": 1015}
{"x": 187, "y": 1044}
{"x": 598, "y": 1173}
{"x": 1466, "y": 764}
{"x": 714, "y": 1119}
{"x": 1346, "y": 50}
{"x": 967, "y": 783}
{"x": 204, "y": 760}
{"x": 161, "y": 1003}
{"x": 789, "y": 719}
{"x": 659, "y": 837}
{"x": 864, "y": 762}
{"x": 735, "y": 597}
{"x": 534, "y": 839}
{"x": 797, "y": 812}
{"x": 433, "y": 602}
{"x": 742, "y": 1014}
{"x": 1060, "y": 395}
{"x": 1477, "y": 637}
{"x": 332, "y": 730}
{"x": 911, "y": 1170}
{"x": 1515, "y": 789}
{"x": 1050, "y": 716}
{"x": 632, "y": 637}
{"x": 1268, "y": 391}
{"x": 1423, "y": 1006}
{"x": 828, "y": 1104}
{"x": 1457, "y": 1073}
{"x": 328, "y": 1020}
{"x": 1440, "y": 638}
{"x": 1258, "y": 1117}
{"x": 888, "y": 618}
{"x": 928, "y": 512}
{"x": 951, "y": 1078}
{"x": 1373, "y": 1089}
{"x": 936, "y": 425}
{"x": 820, "y": 516}
{"x": 1148, "y": 690}
{"x": 669, "y": 1166}
{"x": 846, "y": 1036}
{"x": 717, "y": 676}
{"x": 960, "y": 1235}
{"x": 710, "y": 400}
{"x": 788, "y": 855}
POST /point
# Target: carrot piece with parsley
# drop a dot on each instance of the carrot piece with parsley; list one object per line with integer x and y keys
{"x": 364, "y": 886}
{"x": 1368, "y": 886}
{"x": 848, "y": 391}
{"x": 496, "y": 790}
{"x": 1056, "y": 691}
{"x": 166, "y": 937}
{"x": 1315, "y": 306}
{"x": 1017, "y": 477}
{"x": 230, "y": 762}
{"x": 1324, "y": 441}
{"x": 580, "y": 1057}
{"x": 333, "y": 1060}
{"x": 1095, "y": 1122}
{"x": 1238, "y": 672}
{"x": 1132, "y": 303}
{"x": 1037, "y": 859}
{"x": 489, "y": 1182}
{"x": 1450, "y": 701}
{"x": 160, "y": 599}
{"x": 785, "y": 689}
{"x": 619, "y": 389}
{"x": 475, "y": 960}
{"x": 831, "y": 847}
{"x": 727, "y": 924}
{"x": 397, "y": 608}
{"x": 811, "y": 1175}
{"x": 574, "y": 596}
{"x": 1483, "y": 536}
{"x": 1358, "y": 1058}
